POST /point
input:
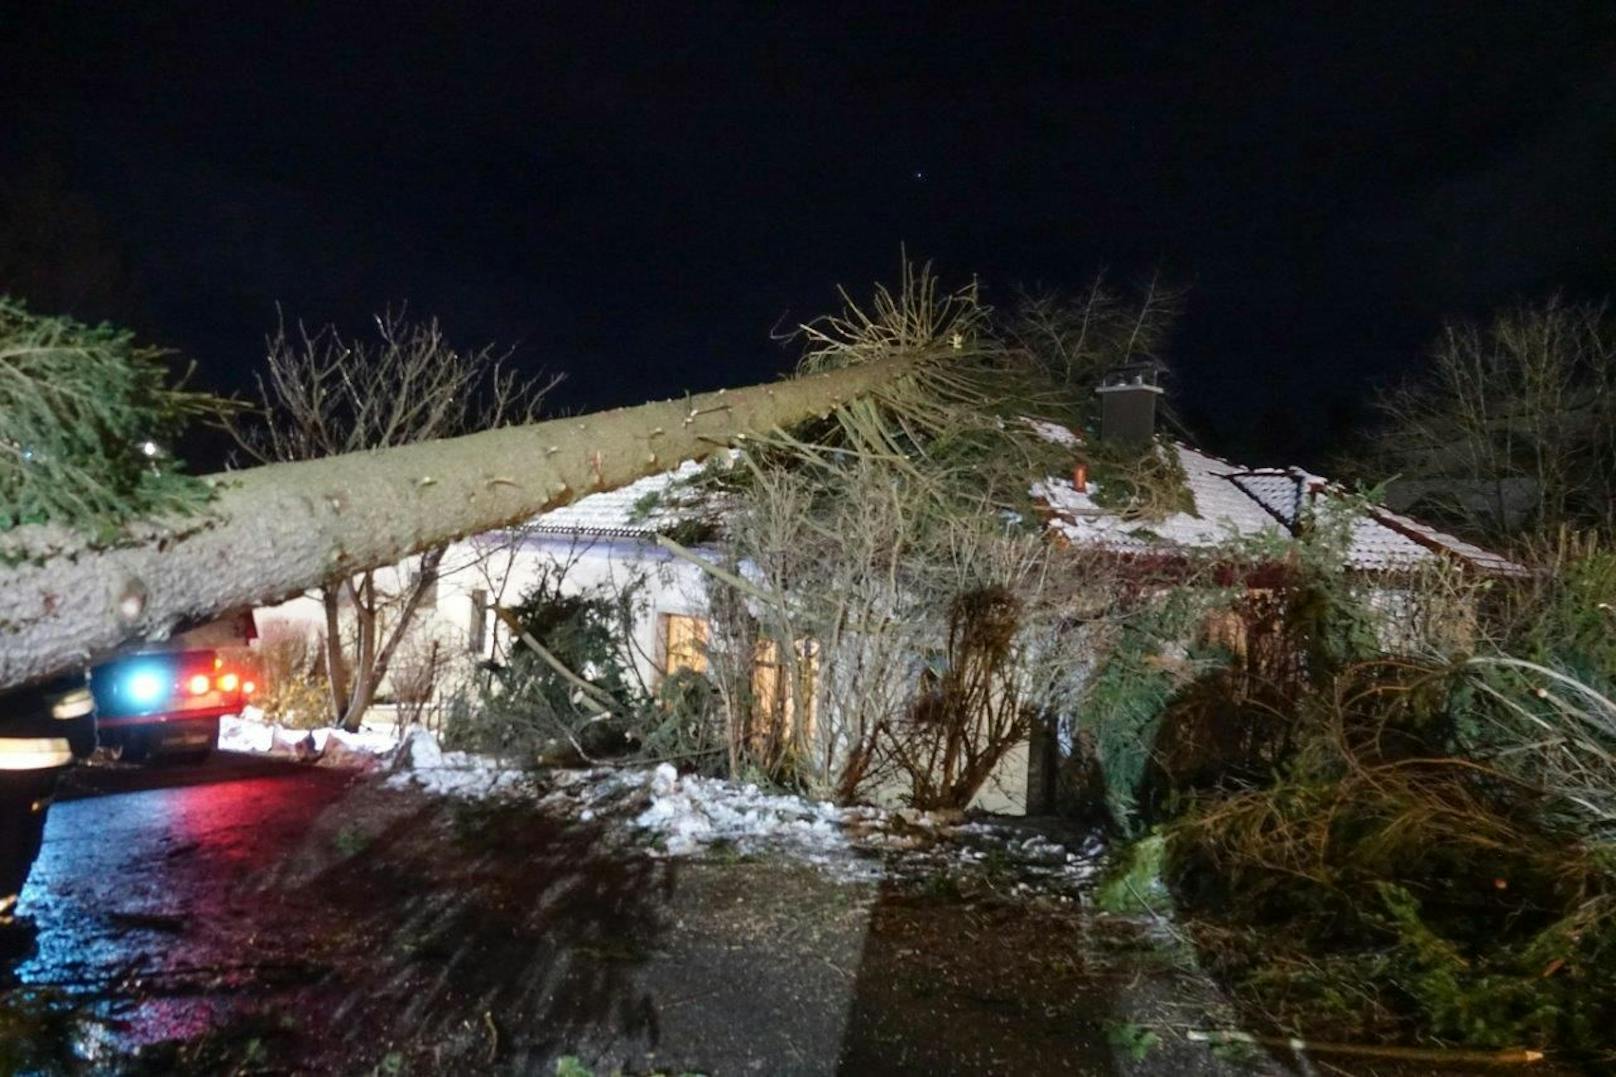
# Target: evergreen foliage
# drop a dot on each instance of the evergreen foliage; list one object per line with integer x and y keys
{"x": 530, "y": 708}
{"x": 85, "y": 418}
{"x": 1385, "y": 835}
{"x": 1123, "y": 703}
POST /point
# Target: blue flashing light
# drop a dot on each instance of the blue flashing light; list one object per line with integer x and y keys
{"x": 146, "y": 687}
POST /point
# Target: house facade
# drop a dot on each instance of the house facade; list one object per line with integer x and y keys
{"x": 609, "y": 540}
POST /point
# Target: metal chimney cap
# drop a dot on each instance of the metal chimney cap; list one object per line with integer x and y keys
{"x": 1130, "y": 387}
{"x": 1143, "y": 374}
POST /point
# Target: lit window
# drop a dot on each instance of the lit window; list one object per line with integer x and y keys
{"x": 684, "y": 643}
{"x": 772, "y": 688}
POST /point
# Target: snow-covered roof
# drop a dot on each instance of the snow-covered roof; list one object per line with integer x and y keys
{"x": 638, "y": 510}
{"x": 1231, "y": 502}
{"x": 1234, "y": 502}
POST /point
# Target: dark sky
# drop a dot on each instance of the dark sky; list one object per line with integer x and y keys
{"x": 636, "y": 195}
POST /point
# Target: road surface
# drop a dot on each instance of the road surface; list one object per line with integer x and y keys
{"x": 149, "y": 905}
{"x": 256, "y": 915}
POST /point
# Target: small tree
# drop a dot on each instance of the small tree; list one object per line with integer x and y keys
{"x": 831, "y": 613}
{"x": 324, "y": 395}
{"x": 1075, "y": 339}
{"x": 1512, "y": 430}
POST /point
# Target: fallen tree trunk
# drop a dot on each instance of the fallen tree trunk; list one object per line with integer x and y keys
{"x": 274, "y": 531}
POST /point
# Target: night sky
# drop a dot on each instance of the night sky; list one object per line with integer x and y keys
{"x": 636, "y": 196}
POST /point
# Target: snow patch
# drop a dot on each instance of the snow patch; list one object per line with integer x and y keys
{"x": 331, "y": 747}
{"x": 690, "y": 815}
{"x": 245, "y": 735}
{"x": 691, "y": 812}
{"x": 1054, "y": 433}
{"x": 421, "y": 763}
{"x": 1062, "y": 496}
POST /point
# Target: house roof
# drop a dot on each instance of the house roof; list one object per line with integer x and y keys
{"x": 1235, "y": 502}
{"x": 1231, "y": 502}
{"x": 638, "y": 510}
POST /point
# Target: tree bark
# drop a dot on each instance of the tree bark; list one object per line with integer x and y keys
{"x": 275, "y": 531}
{"x": 363, "y": 691}
{"x": 336, "y": 674}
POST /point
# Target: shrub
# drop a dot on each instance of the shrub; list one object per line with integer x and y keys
{"x": 291, "y": 688}
{"x": 1417, "y": 845}
{"x": 969, "y": 714}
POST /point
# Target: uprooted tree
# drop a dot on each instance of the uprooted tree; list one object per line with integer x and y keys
{"x": 69, "y": 592}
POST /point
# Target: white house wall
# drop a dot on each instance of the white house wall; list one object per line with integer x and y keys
{"x": 668, "y": 584}
{"x": 505, "y": 570}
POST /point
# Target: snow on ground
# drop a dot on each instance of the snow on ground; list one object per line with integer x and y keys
{"x": 690, "y": 815}
{"x": 1054, "y": 433}
{"x": 418, "y": 761}
{"x": 251, "y": 733}
{"x": 690, "y": 812}
{"x": 421, "y": 763}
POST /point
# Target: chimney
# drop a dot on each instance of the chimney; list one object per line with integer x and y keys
{"x": 1128, "y": 404}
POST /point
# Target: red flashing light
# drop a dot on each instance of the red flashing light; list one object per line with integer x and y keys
{"x": 198, "y": 684}
{"x": 229, "y": 682}
{"x": 248, "y": 688}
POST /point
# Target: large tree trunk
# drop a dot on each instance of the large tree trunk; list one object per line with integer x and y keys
{"x": 277, "y": 530}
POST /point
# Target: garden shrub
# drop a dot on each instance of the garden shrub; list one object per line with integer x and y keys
{"x": 1424, "y": 851}
{"x": 292, "y": 689}
{"x": 970, "y": 712}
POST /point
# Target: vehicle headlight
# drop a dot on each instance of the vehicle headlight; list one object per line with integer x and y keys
{"x": 75, "y": 704}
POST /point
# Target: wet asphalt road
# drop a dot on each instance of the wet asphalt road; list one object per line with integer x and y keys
{"x": 146, "y": 898}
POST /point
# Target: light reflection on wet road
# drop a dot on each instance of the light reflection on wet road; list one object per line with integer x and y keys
{"x": 147, "y": 895}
